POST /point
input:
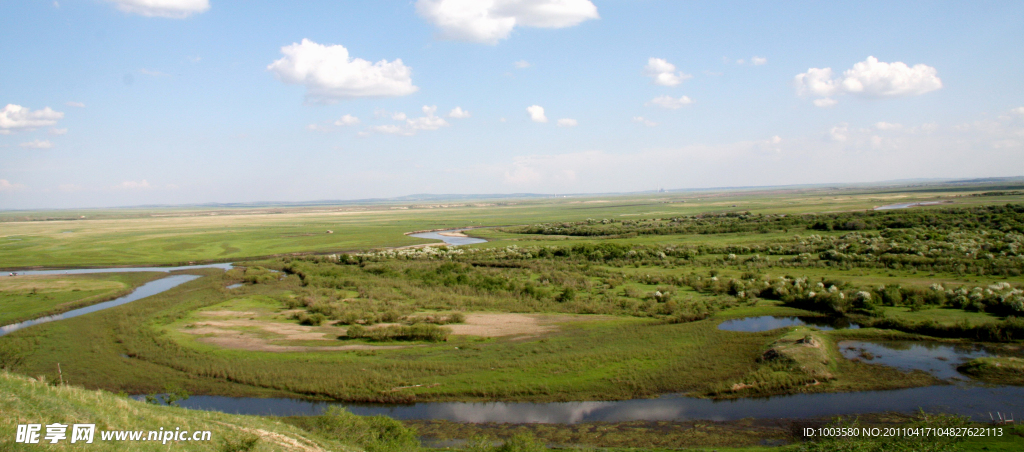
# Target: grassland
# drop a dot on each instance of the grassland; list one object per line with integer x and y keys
{"x": 29, "y": 297}
{"x": 177, "y": 236}
{"x": 570, "y": 299}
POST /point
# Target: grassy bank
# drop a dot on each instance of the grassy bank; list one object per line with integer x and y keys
{"x": 27, "y": 401}
{"x": 29, "y": 297}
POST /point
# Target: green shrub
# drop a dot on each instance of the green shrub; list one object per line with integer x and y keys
{"x": 417, "y": 332}
{"x": 373, "y": 433}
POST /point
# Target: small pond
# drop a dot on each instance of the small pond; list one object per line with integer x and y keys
{"x": 149, "y": 289}
{"x": 940, "y": 360}
{"x": 908, "y": 205}
{"x": 450, "y": 240}
{"x": 771, "y": 322}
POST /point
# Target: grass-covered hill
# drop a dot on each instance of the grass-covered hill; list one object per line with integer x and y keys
{"x": 27, "y": 401}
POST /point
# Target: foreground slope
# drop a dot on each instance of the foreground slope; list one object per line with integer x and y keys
{"x": 27, "y": 401}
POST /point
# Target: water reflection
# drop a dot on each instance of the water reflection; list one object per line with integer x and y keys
{"x": 970, "y": 400}
{"x": 450, "y": 240}
{"x": 770, "y": 322}
{"x": 940, "y": 360}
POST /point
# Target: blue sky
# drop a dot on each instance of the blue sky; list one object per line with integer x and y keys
{"x": 128, "y": 102}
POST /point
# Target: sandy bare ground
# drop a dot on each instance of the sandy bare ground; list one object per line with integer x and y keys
{"x": 226, "y": 329}
{"x": 500, "y": 324}
{"x": 453, "y": 234}
{"x": 237, "y": 333}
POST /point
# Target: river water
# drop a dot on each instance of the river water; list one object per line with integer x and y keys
{"x": 771, "y": 322}
{"x": 967, "y": 399}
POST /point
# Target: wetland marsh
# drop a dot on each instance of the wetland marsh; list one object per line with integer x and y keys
{"x": 660, "y": 312}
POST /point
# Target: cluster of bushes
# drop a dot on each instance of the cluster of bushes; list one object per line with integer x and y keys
{"x": 372, "y": 433}
{"x": 1011, "y": 329}
{"x": 447, "y": 319}
{"x": 253, "y": 275}
{"x": 322, "y": 304}
{"x": 417, "y": 332}
{"x": 1006, "y": 218}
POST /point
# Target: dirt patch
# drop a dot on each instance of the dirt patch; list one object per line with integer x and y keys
{"x": 498, "y": 325}
{"x": 228, "y": 313}
{"x": 453, "y": 234}
{"x": 287, "y": 331}
{"x": 254, "y": 344}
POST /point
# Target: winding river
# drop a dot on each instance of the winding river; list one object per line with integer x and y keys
{"x": 959, "y": 397}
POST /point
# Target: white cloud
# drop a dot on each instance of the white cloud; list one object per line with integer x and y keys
{"x": 875, "y": 78}
{"x": 870, "y": 78}
{"x": 347, "y": 120}
{"x": 175, "y": 9}
{"x": 317, "y": 128}
{"x": 15, "y": 118}
{"x": 37, "y": 144}
{"x": 430, "y": 121}
{"x": 670, "y": 102}
{"x": 58, "y": 131}
{"x": 1018, "y": 110}
{"x": 458, "y": 113}
{"x": 644, "y": 121}
{"x": 133, "y": 185}
{"x": 840, "y": 132}
{"x": 400, "y": 116}
{"x": 522, "y": 64}
{"x": 489, "y": 21}
{"x": 816, "y": 82}
{"x": 567, "y": 122}
{"x": 758, "y": 61}
{"x": 536, "y": 113}
{"x": 391, "y": 129}
{"x": 6, "y": 185}
{"x": 888, "y": 126}
{"x": 664, "y": 73}
{"x": 825, "y": 102}
{"x": 75, "y": 104}
{"x": 740, "y": 61}
{"x": 330, "y": 74}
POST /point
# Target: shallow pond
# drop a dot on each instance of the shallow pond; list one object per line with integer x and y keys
{"x": 971, "y": 400}
{"x": 149, "y": 289}
{"x": 454, "y": 241}
{"x": 771, "y": 322}
{"x": 940, "y": 360}
{"x": 907, "y": 205}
